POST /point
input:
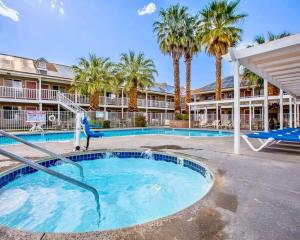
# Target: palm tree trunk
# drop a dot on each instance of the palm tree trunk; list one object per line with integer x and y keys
{"x": 133, "y": 97}
{"x": 218, "y": 81}
{"x": 94, "y": 101}
{"x": 176, "y": 84}
{"x": 188, "y": 63}
{"x": 218, "y": 76}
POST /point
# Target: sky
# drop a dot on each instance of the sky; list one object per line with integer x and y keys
{"x": 62, "y": 31}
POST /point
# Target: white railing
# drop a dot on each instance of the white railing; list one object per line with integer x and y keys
{"x": 18, "y": 93}
{"x": 68, "y": 103}
{"x": 111, "y": 101}
{"x": 82, "y": 99}
{"x": 49, "y": 94}
{"x": 128, "y": 119}
{"x": 256, "y": 120}
{"x": 16, "y": 120}
{"x": 140, "y": 102}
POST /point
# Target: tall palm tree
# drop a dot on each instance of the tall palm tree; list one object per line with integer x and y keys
{"x": 252, "y": 78}
{"x": 136, "y": 72}
{"x": 192, "y": 45}
{"x": 219, "y": 31}
{"x": 91, "y": 78}
{"x": 170, "y": 30}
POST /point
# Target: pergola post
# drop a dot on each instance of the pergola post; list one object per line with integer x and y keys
{"x": 290, "y": 112}
{"x": 146, "y": 104}
{"x": 122, "y": 103}
{"x": 281, "y": 109}
{"x": 40, "y": 94}
{"x": 58, "y": 114}
{"x": 217, "y": 116}
{"x": 266, "y": 106}
{"x": 237, "y": 127}
{"x": 250, "y": 116}
{"x": 298, "y": 113}
{"x": 189, "y": 115}
{"x": 295, "y": 112}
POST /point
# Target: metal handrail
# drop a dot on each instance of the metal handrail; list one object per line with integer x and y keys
{"x": 39, "y": 167}
{"x": 69, "y": 103}
{"x": 52, "y": 154}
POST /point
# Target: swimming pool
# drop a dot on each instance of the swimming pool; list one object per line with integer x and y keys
{"x": 69, "y": 136}
{"x": 134, "y": 187}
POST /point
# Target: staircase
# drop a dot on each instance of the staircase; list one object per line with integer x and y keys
{"x": 68, "y": 103}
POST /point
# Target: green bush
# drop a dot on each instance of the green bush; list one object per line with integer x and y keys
{"x": 106, "y": 124}
{"x": 182, "y": 117}
{"x": 140, "y": 121}
{"x": 96, "y": 123}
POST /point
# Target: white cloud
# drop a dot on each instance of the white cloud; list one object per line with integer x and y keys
{"x": 56, "y": 4}
{"x": 9, "y": 12}
{"x": 148, "y": 9}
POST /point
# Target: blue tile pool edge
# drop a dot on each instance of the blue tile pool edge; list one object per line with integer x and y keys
{"x": 14, "y": 173}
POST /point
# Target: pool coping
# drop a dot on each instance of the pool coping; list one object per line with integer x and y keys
{"x": 230, "y": 134}
{"x": 96, "y": 234}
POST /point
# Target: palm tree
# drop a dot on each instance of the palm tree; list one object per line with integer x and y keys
{"x": 170, "y": 30}
{"x": 219, "y": 31}
{"x": 136, "y": 71}
{"x": 192, "y": 45}
{"x": 91, "y": 78}
{"x": 252, "y": 78}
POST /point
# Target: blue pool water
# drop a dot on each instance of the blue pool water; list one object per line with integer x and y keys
{"x": 69, "y": 136}
{"x": 132, "y": 191}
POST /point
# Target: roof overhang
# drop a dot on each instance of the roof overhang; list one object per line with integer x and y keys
{"x": 276, "y": 61}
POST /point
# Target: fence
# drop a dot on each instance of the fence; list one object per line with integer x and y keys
{"x": 16, "y": 120}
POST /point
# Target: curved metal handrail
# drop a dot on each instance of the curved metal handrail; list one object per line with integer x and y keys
{"x": 52, "y": 154}
{"x": 55, "y": 174}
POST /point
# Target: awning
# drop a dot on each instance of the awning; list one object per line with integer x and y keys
{"x": 277, "y": 61}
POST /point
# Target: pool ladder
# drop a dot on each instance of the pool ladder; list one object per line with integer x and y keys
{"x": 39, "y": 167}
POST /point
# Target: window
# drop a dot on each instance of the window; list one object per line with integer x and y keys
{"x": 8, "y": 112}
{"x": 13, "y": 83}
{"x": 208, "y": 97}
{"x": 58, "y": 88}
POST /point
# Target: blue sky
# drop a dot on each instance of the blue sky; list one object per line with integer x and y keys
{"x": 64, "y": 30}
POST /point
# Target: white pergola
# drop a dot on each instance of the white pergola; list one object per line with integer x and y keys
{"x": 278, "y": 63}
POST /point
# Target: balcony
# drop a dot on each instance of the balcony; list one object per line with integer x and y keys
{"x": 142, "y": 103}
{"x": 50, "y": 96}
{"x": 32, "y": 95}
{"x": 18, "y": 93}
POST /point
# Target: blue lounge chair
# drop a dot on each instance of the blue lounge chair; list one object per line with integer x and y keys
{"x": 89, "y": 134}
{"x": 290, "y": 135}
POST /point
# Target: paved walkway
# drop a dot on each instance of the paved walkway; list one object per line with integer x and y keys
{"x": 256, "y": 195}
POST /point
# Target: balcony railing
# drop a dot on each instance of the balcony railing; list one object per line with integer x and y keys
{"x": 18, "y": 93}
{"x": 140, "y": 102}
{"x": 51, "y": 95}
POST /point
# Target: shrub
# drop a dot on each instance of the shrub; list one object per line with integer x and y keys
{"x": 140, "y": 121}
{"x": 182, "y": 117}
{"x": 106, "y": 124}
{"x": 95, "y": 123}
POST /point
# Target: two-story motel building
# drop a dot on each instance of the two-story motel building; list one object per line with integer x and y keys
{"x": 29, "y": 84}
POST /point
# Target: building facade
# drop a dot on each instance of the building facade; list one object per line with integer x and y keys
{"x": 252, "y": 104}
{"x": 28, "y": 84}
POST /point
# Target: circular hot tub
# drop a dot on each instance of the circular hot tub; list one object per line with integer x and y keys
{"x": 134, "y": 187}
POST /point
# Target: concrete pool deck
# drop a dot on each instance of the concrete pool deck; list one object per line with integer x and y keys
{"x": 255, "y": 196}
